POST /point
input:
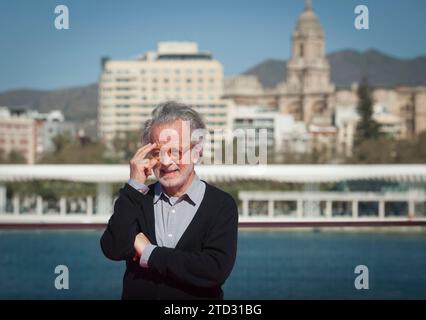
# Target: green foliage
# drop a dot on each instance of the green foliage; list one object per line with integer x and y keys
{"x": 125, "y": 145}
{"x": 251, "y": 185}
{"x": 388, "y": 150}
{"x": 12, "y": 157}
{"x": 233, "y": 187}
{"x": 367, "y": 127}
{"x": 52, "y": 189}
{"x": 74, "y": 151}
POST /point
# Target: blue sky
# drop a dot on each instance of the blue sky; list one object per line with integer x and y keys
{"x": 239, "y": 33}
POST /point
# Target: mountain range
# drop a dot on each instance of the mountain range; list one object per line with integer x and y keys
{"x": 347, "y": 66}
{"x": 77, "y": 103}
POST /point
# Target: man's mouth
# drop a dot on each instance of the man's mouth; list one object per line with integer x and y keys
{"x": 168, "y": 172}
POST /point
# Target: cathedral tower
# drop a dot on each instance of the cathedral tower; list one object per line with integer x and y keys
{"x": 308, "y": 90}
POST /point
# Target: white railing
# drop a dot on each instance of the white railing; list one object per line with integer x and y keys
{"x": 308, "y": 205}
{"x": 331, "y": 206}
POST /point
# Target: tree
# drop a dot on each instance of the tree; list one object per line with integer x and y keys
{"x": 381, "y": 150}
{"x": 125, "y": 145}
{"x": 13, "y": 157}
{"x": 60, "y": 141}
{"x": 367, "y": 127}
{"x": 388, "y": 150}
{"x": 74, "y": 151}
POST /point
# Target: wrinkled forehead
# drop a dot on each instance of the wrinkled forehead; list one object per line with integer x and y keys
{"x": 176, "y": 132}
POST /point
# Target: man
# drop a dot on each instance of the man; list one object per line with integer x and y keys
{"x": 179, "y": 235}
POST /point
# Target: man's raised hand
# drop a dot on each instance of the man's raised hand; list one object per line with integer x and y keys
{"x": 140, "y": 166}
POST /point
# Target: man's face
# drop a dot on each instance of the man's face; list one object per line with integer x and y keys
{"x": 175, "y": 164}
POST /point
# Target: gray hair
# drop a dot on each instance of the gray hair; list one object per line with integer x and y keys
{"x": 171, "y": 111}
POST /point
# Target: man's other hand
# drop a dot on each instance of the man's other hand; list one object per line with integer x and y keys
{"x": 141, "y": 241}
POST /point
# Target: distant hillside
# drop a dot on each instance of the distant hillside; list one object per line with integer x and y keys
{"x": 348, "y": 66}
{"x": 77, "y": 103}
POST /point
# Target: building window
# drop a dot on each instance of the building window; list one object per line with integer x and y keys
{"x": 302, "y": 50}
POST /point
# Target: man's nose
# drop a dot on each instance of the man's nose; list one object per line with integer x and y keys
{"x": 165, "y": 159}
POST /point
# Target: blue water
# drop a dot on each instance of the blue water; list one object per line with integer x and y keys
{"x": 270, "y": 265}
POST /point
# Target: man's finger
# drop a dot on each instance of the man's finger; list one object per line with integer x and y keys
{"x": 153, "y": 162}
{"x": 141, "y": 153}
{"x": 140, "y": 150}
{"x": 144, "y": 152}
{"x": 148, "y": 164}
{"x": 145, "y": 147}
{"x": 144, "y": 162}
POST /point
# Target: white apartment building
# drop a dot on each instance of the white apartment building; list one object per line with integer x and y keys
{"x": 284, "y": 134}
{"x": 255, "y": 118}
{"x": 130, "y": 89}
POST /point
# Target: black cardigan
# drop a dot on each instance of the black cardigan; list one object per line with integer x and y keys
{"x": 196, "y": 268}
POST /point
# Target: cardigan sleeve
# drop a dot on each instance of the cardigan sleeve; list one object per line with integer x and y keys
{"x": 117, "y": 241}
{"x": 209, "y": 267}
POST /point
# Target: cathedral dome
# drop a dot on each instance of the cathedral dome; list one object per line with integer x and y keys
{"x": 308, "y": 23}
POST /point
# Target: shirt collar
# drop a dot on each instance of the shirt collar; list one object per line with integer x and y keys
{"x": 190, "y": 194}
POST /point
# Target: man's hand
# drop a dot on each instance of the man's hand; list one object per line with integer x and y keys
{"x": 140, "y": 167}
{"x": 140, "y": 243}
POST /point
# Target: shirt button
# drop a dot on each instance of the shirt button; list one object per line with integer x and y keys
{"x": 173, "y": 210}
{"x": 170, "y": 235}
